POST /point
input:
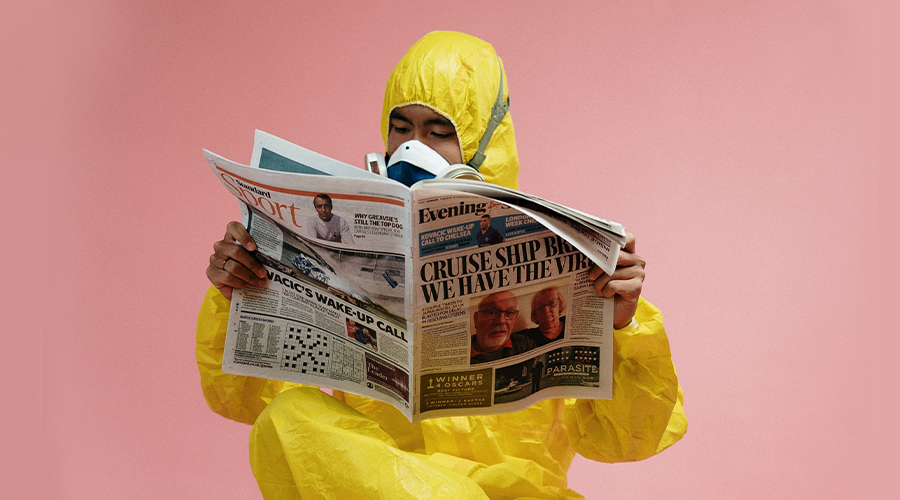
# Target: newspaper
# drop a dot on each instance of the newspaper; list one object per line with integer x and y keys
{"x": 447, "y": 298}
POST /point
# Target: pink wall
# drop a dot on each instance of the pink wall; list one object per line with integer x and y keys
{"x": 734, "y": 138}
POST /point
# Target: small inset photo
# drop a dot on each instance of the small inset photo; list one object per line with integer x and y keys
{"x": 362, "y": 334}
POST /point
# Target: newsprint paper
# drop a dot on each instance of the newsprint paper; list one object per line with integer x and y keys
{"x": 448, "y": 298}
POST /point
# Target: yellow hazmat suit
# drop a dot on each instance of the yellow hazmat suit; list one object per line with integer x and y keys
{"x": 307, "y": 444}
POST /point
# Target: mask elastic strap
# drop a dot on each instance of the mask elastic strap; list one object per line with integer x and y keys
{"x": 498, "y": 112}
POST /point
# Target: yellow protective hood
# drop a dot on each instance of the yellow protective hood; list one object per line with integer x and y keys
{"x": 458, "y": 76}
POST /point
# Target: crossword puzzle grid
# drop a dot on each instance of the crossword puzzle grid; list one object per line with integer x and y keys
{"x": 305, "y": 351}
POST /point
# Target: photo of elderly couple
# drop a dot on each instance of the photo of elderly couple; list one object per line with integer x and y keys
{"x": 500, "y": 331}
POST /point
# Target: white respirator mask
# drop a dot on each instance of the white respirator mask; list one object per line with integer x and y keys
{"x": 414, "y": 161}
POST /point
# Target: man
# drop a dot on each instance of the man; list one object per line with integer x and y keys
{"x": 537, "y": 369}
{"x": 442, "y": 93}
{"x": 494, "y": 321}
{"x": 364, "y": 337}
{"x": 488, "y": 234}
{"x": 546, "y": 307}
{"x": 328, "y": 226}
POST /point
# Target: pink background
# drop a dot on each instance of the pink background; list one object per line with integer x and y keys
{"x": 735, "y": 139}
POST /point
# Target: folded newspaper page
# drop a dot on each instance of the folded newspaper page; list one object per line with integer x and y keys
{"x": 447, "y": 298}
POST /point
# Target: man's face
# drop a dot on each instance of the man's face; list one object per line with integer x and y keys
{"x": 323, "y": 208}
{"x": 546, "y": 312}
{"x": 417, "y": 122}
{"x": 485, "y": 223}
{"x": 494, "y": 320}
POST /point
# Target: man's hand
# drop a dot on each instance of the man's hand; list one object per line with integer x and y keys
{"x": 231, "y": 265}
{"x": 625, "y": 284}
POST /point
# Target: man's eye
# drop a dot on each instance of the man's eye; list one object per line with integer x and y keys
{"x": 399, "y": 127}
{"x": 441, "y": 136}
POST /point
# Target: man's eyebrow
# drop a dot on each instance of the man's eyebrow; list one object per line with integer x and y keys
{"x": 395, "y": 115}
{"x": 439, "y": 120}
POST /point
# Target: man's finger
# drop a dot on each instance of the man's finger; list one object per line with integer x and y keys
{"x": 625, "y": 278}
{"x": 240, "y": 234}
{"x": 595, "y": 272}
{"x": 600, "y": 283}
{"x": 629, "y": 243}
{"x": 242, "y": 272}
{"x": 629, "y": 289}
{"x": 217, "y": 261}
{"x": 628, "y": 259}
{"x": 225, "y": 250}
{"x": 250, "y": 263}
{"x": 626, "y": 273}
{"x": 232, "y": 277}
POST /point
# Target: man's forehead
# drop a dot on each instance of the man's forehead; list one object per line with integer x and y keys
{"x": 503, "y": 299}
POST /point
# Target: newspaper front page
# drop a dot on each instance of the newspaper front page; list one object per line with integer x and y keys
{"x": 505, "y": 315}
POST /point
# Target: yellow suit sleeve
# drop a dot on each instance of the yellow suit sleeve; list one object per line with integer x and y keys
{"x": 645, "y": 414}
{"x": 232, "y": 396}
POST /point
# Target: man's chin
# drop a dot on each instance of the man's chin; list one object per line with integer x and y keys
{"x": 498, "y": 344}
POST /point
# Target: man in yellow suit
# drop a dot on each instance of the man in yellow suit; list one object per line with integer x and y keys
{"x": 308, "y": 444}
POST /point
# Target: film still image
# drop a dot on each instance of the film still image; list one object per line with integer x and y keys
{"x": 517, "y": 381}
{"x": 362, "y": 334}
{"x": 506, "y": 324}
